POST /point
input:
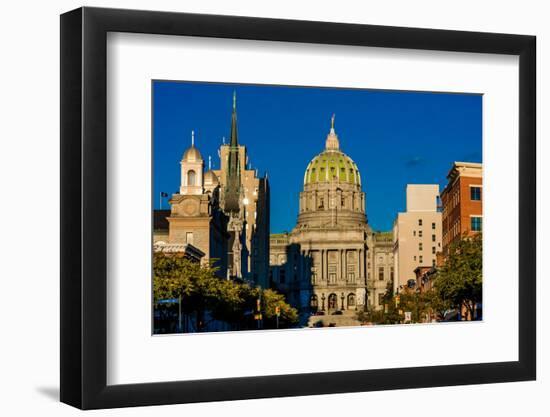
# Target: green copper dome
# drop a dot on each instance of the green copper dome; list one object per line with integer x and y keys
{"x": 332, "y": 165}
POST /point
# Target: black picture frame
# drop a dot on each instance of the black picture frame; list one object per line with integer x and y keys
{"x": 84, "y": 207}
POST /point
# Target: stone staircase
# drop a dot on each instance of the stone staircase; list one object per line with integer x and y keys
{"x": 347, "y": 318}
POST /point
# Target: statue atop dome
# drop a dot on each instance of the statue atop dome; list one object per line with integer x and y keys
{"x": 332, "y": 142}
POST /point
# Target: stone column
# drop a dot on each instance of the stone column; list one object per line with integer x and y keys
{"x": 359, "y": 264}
{"x": 343, "y": 264}
{"x": 323, "y": 265}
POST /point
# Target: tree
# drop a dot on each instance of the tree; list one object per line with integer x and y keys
{"x": 389, "y": 314}
{"x": 200, "y": 292}
{"x": 196, "y": 286}
{"x": 271, "y": 300}
{"x": 459, "y": 280}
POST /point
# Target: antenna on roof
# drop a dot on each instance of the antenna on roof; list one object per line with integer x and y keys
{"x": 209, "y": 162}
{"x": 192, "y": 138}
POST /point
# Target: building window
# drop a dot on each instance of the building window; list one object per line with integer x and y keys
{"x": 420, "y": 233}
{"x": 351, "y": 300}
{"x": 313, "y": 302}
{"x": 381, "y": 273}
{"x": 420, "y": 259}
{"x": 433, "y": 263}
{"x": 476, "y": 224}
{"x": 189, "y": 238}
{"x": 282, "y": 276}
{"x": 420, "y": 246}
{"x": 433, "y": 250}
{"x": 414, "y": 257}
{"x": 433, "y": 238}
{"x": 191, "y": 177}
{"x": 380, "y": 299}
{"x": 475, "y": 193}
{"x": 391, "y": 273}
{"x": 433, "y": 226}
{"x": 420, "y": 222}
{"x": 414, "y": 232}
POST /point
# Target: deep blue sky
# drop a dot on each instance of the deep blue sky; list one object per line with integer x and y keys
{"x": 394, "y": 137}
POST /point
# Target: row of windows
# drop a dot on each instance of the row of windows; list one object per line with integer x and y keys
{"x": 381, "y": 274}
{"x": 420, "y": 224}
{"x": 421, "y": 258}
{"x": 332, "y": 301}
{"x": 420, "y": 234}
{"x": 454, "y": 200}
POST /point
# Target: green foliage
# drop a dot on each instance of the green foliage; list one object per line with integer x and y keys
{"x": 271, "y": 299}
{"x": 459, "y": 281}
{"x": 201, "y": 291}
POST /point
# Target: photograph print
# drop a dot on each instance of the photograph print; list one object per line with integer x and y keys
{"x": 290, "y": 207}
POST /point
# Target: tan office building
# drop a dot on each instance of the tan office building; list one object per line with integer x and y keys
{"x": 416, "y": 234}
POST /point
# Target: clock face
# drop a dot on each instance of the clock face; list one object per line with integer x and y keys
{"x": 189, "y": 207}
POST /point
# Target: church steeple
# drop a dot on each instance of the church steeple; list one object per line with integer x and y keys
{"x": 233, "y": 141}
{"x": 233, "y": 176}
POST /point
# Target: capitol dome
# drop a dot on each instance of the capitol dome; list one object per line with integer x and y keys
{"x": 332, "y": 165}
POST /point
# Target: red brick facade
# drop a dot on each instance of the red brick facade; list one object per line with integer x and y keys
{"x": 462, "y": 203}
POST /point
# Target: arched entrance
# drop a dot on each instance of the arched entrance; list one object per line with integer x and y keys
{"x": 313, "y": 303}
{"x": 332, "y": 302}
{"x": 351, "y": 301}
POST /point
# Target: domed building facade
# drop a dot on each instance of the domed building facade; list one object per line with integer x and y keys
{"x": 328, "y": 264}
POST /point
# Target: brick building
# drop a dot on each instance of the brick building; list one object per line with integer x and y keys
{"x": 461, "y": 200}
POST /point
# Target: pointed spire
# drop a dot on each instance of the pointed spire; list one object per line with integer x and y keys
{"x": 223, "y": 140}
{"x": 209, "y": 162}
{"x": 233, "y": 141}
{"x": 332, "y": 123}
{"x": 192, "y": 138}
{"x": 233, "y": 185}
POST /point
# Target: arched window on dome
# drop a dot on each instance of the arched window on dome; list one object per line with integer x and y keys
{"x": 191, "y": 177}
